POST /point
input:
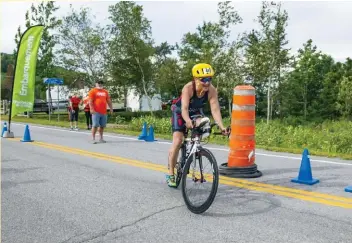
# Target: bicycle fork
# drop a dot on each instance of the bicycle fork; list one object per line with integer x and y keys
{"x": 194, "y": 178}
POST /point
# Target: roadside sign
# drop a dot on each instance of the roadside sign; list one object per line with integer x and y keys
{"x": 57, "y": 81}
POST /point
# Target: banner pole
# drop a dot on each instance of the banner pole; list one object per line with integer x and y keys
{"x": 13, "y": 81}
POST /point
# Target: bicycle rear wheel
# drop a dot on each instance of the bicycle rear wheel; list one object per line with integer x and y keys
{"x": 199, "y": 179}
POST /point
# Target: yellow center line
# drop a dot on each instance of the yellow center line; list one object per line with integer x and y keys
{"x": 288, "y": 189}
{"x": 316, "y": 197}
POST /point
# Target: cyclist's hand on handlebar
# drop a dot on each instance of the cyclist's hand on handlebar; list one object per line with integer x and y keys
{"x": 225, "y": 131}
{"x": 189, "y": 124}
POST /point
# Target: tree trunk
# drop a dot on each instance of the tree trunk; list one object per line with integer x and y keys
{"x": 268, "y": 100}
{"x": 230, "y": 106}
{"x": 144, "y": 87}
{"x": 305, "y": 108}
{"x": 271, "y": 107}
{"x": 305, "y": 102}
{"x": 176, "y": 88}
{"x": 125, "y": 93}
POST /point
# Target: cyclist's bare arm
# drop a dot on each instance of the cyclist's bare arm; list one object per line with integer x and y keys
{"x": 186, "y": 96}
{"x": 215, "y": 106}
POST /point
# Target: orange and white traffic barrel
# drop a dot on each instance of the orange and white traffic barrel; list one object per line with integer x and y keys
{"x": 241, "y": 158}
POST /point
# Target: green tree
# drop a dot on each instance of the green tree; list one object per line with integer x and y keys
{"x": 325, "y": 104}
{"x": 303, "y": 91}
{"x": 344, "y": 96}
{"x": 231, "y": 72}
{"x": 167, "y": 72}
{"x": 344, "y": 99}
{"x": 131, "y": 49}
{"x": 210, "y": 44}
{"x": 7, "y": 81}
{"x": 43, "y": 13}
{"x": 266, "y": 55}
{"x": 83, "y": 45}
{"x": 167, "y": 78}
{"x": 6, "y": 59}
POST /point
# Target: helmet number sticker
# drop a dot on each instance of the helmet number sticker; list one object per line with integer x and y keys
{"x": 206, "y": 70}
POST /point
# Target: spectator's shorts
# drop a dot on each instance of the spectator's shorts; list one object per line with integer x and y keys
{"x": 74, "y": 115}
{"x": 99, "y": 120}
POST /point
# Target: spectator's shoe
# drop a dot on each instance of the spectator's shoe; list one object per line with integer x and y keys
{"x": 94, "y": 142}
{"x": 102, "y": 141}
{"x": 71, "y": 128}
{"x": 76, "y": 129}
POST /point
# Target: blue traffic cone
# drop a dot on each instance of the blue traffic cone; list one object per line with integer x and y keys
{"x": 348, "y": 189}
{"x": 144, "y": 134}
{"x": 150, "y": 137}
{"x": 27, "y": 135}
{"x": 4, "y": 129}
{"x": 305, "y": 172}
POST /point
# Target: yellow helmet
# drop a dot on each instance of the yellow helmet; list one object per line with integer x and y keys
{"x": 202, "y": 70}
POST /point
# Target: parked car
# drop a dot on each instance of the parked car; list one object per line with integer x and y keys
{"x": 63, "y": 104}
{"x": 40, "y": 106}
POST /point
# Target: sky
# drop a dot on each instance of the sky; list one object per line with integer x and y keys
{"x": 327, "y": 23}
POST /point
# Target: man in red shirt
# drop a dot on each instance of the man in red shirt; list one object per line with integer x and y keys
{"x": 99, "y": 98}
{"x": 74, "y": 109}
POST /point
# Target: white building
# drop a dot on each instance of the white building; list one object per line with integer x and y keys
{"x": 59, "y": 96}
{"x": 135, "y": 103}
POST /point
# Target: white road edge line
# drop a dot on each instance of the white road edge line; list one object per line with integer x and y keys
{"x": 168, "y": 143}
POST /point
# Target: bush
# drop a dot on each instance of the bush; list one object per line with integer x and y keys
{"x": 160, "y": 125}
{"x": 129, "y": 115}
{"x": 329, "y": 136}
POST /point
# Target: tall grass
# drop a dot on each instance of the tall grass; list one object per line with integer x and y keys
{"x": 329, "y": 136}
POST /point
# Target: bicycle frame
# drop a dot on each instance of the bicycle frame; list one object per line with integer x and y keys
{"x": 193, "y": 142}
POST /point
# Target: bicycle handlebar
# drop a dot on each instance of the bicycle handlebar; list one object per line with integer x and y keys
{"x": 194, "y": 118}
{"x": 228, "y": 129}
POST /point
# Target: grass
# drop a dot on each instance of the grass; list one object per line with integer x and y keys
{"x": 329, "y": 139}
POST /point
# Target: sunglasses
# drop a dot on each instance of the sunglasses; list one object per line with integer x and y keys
{"x": 206, "y": 80}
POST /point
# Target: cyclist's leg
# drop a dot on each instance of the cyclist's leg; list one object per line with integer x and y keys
{"x": 177, "y": 139}
{"x": 178, "y": 126}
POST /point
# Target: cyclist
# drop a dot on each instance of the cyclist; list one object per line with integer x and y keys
{"x": 194, "y": 96}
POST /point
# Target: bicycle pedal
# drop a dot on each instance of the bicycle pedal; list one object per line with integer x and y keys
{"x": 196, "y": 180}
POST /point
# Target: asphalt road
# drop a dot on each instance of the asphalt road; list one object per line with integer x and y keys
{"x": 61, "y": 188}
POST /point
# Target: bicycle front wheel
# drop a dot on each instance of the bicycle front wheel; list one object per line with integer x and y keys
{"x": 206, "y": 177}
{"x": 179, "y": 165}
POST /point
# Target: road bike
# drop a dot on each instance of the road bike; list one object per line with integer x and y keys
{"x": 192, "y": 151}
